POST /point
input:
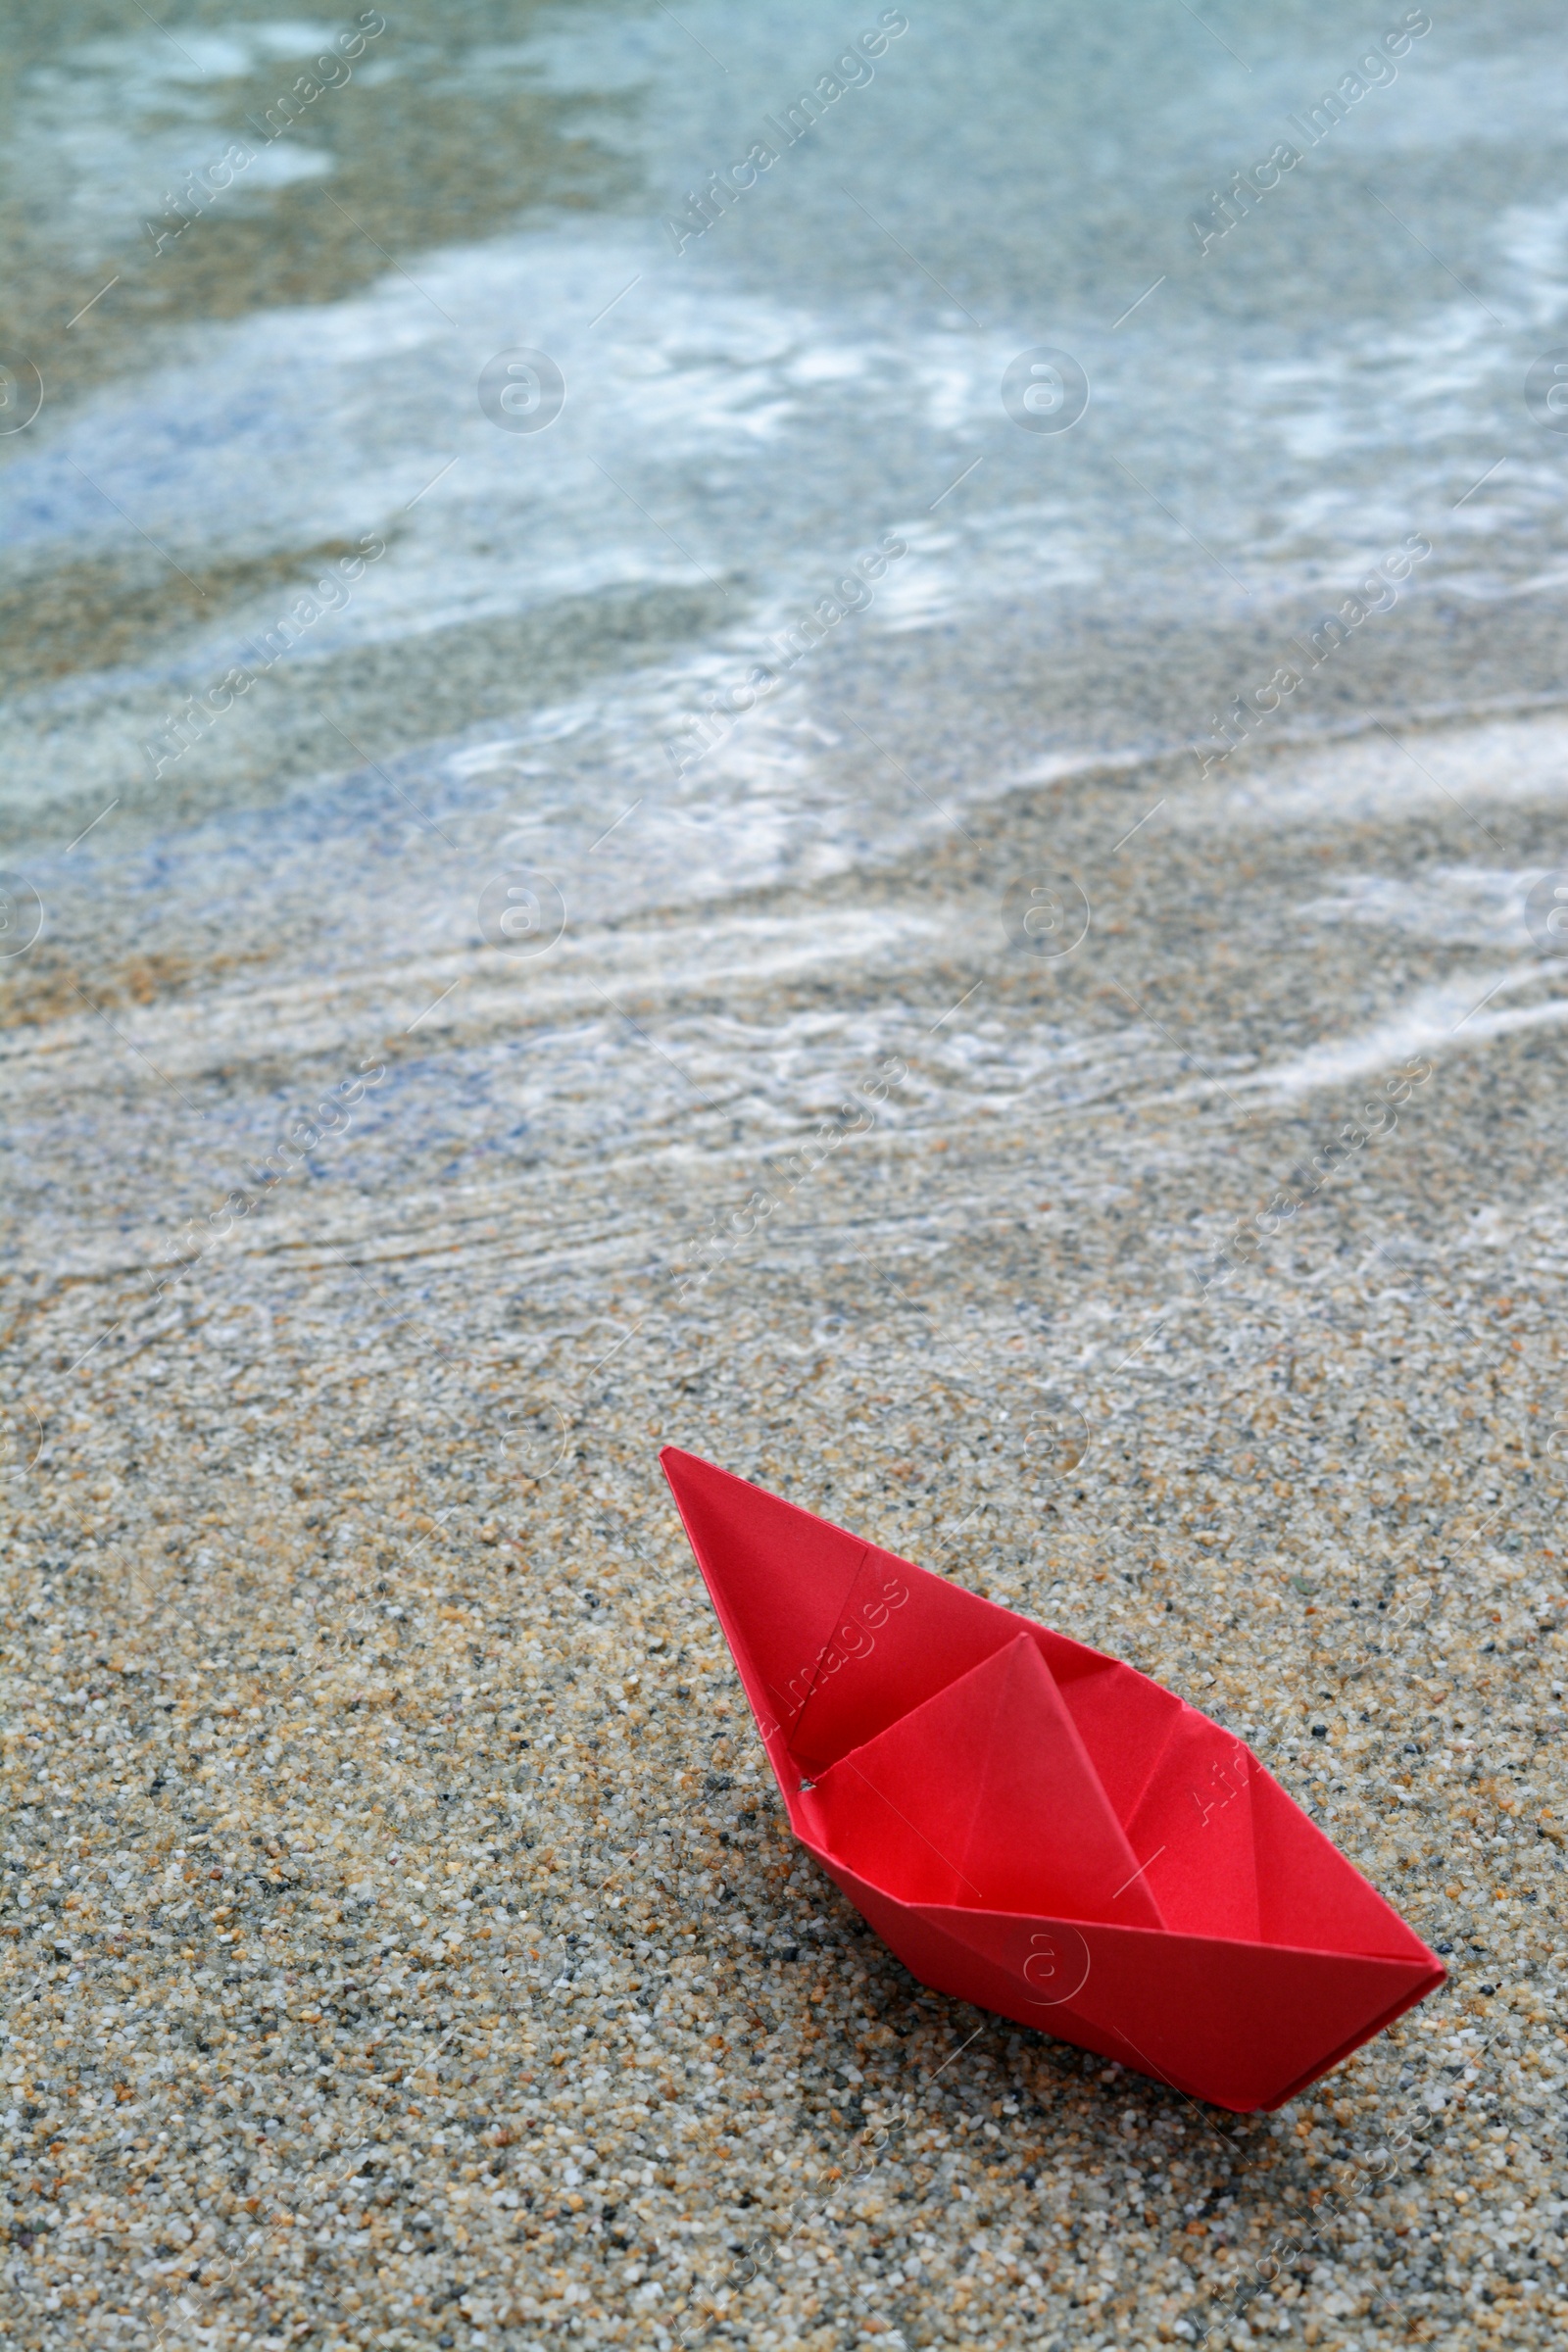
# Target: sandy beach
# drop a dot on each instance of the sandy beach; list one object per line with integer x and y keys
{"x": 462, "y": 1065}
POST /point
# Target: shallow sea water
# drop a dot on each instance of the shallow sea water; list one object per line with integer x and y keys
{"x": 552, "y": 1008}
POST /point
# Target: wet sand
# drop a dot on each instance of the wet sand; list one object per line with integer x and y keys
{"x": 415, "y": 1950}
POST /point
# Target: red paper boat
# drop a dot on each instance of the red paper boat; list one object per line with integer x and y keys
{"x": 1037, "y": 1827}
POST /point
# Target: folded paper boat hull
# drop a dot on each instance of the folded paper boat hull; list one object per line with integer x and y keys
{"x": 1036, "y": 1828}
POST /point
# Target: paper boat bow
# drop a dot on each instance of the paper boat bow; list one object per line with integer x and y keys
{"x": 1037, "y": 1827}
